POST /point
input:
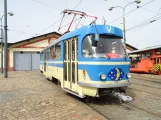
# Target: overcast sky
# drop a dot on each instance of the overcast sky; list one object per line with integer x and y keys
{"x": 33, "y": 17}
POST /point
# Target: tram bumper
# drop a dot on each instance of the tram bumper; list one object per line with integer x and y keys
{"x": 105, "y": 85}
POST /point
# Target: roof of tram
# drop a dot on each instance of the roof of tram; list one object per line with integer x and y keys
{"x": 92, "y": 29}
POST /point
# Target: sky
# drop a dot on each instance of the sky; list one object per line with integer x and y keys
{"x": 36, "y": 17}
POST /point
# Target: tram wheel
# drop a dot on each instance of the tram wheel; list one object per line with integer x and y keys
{"x": 123, "y": 89}
{"x": 87, "y": 100}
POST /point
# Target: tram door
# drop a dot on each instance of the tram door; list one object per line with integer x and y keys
{"x": 70, "y": 64}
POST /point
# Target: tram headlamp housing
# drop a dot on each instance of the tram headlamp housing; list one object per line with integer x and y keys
{"x": 128, "y": 75}
{"x": 103, "y": 76}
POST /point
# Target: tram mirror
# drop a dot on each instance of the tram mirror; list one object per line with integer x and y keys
{"x": 96, "y": 37}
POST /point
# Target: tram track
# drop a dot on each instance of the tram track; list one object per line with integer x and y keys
{"x": 144, "y": 110}
{"x": 124, "y": 106}
{"x": 155, "y": 80}
{"x": 147, "y": 80}
{"x": 144, "y": 91}
{"x": 108, "y": 101}
{"x": 135, "y": 105}
{"x": 103, "y": 106}
{"x": 99, "y": 112}
{"x": 145, "y": 85}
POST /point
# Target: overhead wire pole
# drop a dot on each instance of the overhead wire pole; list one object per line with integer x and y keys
{"x": 5, "y": 41}
{"x": 123, "y": 9}
{"x": 11, "y": 14}
{"x": 1, "y": 45}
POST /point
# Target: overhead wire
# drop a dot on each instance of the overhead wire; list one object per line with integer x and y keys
{"x": 66, "y": 4}
{"x": 143, "y": 8}
{"x": 148, "y": 21}
{"x": 77, "y": 4}
{"x": 46, "y": 5}
{"x": 131, "y": 11}
{"x": 57, "y": 20}
{"x": 143, "y": 25}
{"x": 92, "y": 4}
{"x": 49, "y": 27}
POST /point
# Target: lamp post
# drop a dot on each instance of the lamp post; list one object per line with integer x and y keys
{"x": 5, "y": 41}
{"x": 123, "y": 8}
{"x": 11, "y": 14}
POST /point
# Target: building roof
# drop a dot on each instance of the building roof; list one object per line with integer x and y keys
{"x": 146, "y": 49}
{"x": 44, "y": 35}
{"x": 132, "y": 47}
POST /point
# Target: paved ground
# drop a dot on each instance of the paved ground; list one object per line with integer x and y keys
{"x": 28, "y": 95}
{"x": 146, "y": 91}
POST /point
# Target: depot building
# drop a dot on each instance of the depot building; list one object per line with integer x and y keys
{"x": 25, "y": 54}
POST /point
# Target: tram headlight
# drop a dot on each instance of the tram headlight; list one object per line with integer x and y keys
{"x": 103, "y": 76}
{"x": 128, "y": 75}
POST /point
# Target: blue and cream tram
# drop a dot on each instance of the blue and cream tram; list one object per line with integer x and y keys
{"x": 88, "y": 61}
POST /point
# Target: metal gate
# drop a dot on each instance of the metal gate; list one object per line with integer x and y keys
{"x": 26, "y": 60}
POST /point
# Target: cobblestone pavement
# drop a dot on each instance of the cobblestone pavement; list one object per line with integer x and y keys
{"x": 146, "y": 92}
{"x": 29, "y": 96}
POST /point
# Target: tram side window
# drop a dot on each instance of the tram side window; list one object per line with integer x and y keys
{"x": 58, "y": 51}
{"x": 52, "y": 53}
{"x": 73, "y": 50}
{"x": 42, "y": 56}
{"x": 48, "y": 54}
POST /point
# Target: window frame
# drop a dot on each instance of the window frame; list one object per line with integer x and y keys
{"x": 94, "y": 34}
{"x": 55, "y": 58}
{"x": 54, "y": 51}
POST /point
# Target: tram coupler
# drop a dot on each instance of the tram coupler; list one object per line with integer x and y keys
{"x": 122, "y": 97}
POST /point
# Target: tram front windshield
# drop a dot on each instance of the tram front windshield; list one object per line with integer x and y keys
{"x": 106, "y": 47}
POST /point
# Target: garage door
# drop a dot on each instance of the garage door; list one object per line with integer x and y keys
{"x": 26, "y": 60}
